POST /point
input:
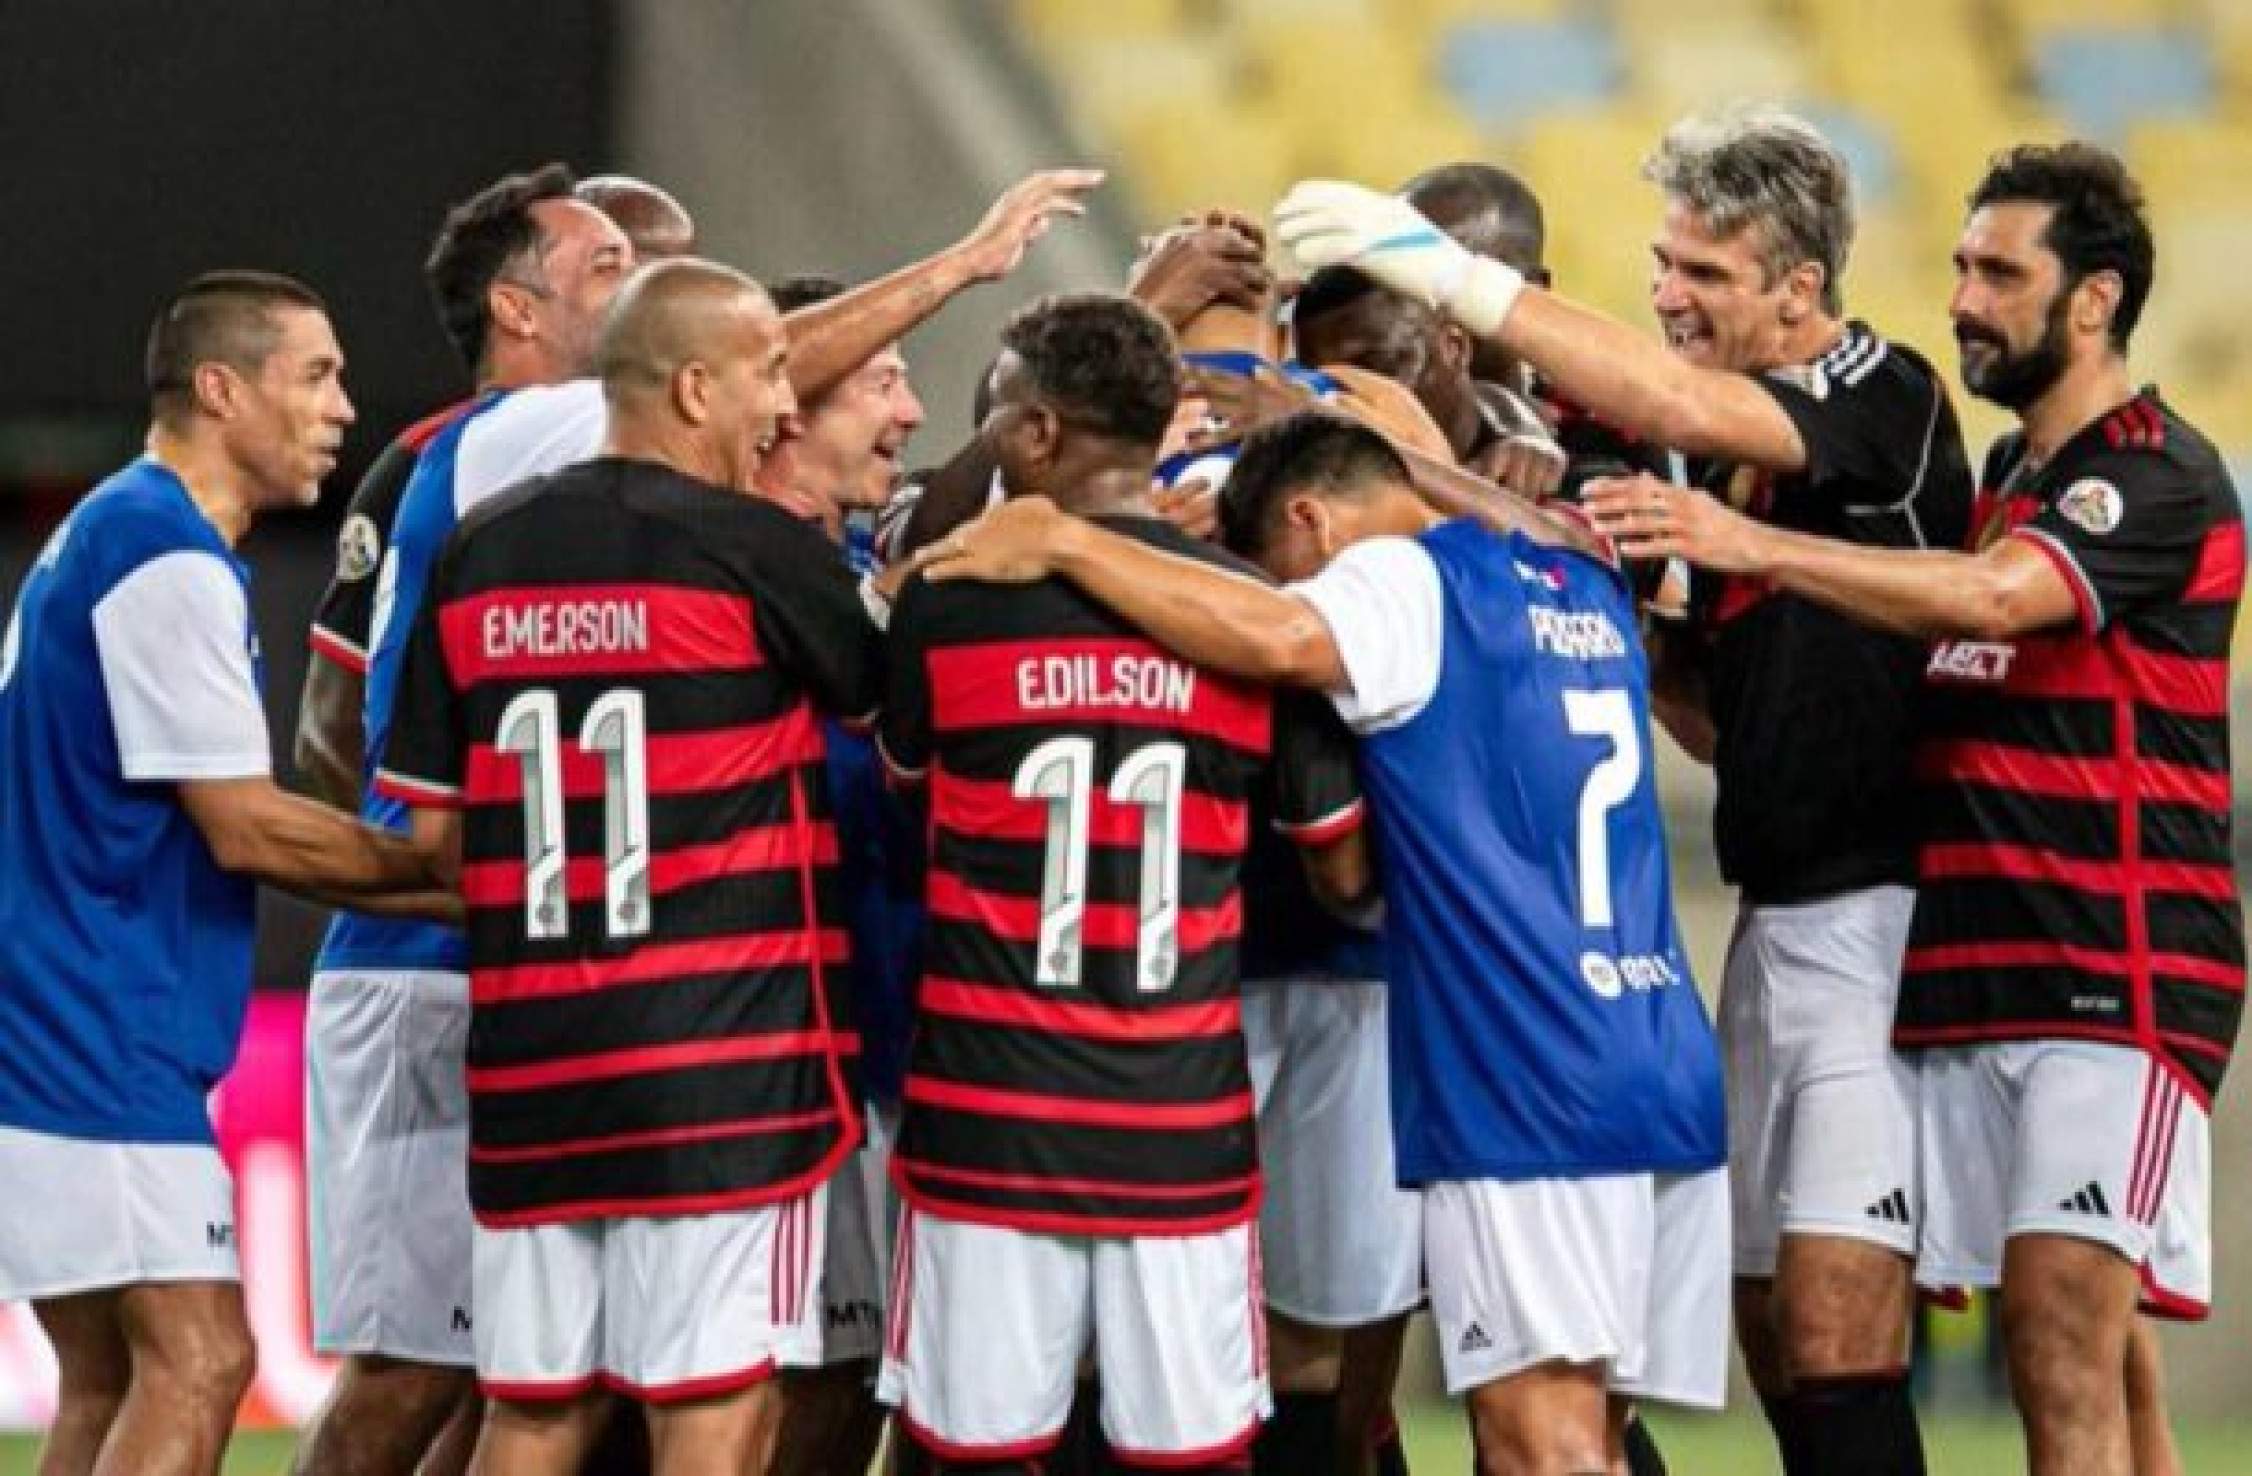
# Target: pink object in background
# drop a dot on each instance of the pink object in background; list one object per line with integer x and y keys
{"x": 259, "y": 1111}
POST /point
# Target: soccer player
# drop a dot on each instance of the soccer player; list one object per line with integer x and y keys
{"x": 1555, "y": 1083}
{"x": 329, "y": 743}
{"x": 608, "y": 719}
{"x": 1809, "y": 421}
{"x": 2075, "y": 974}
{"x": 1077, "y": 1150}
{"x": 835, "y": 473}
{"x": 137, "y": 812}
{"x": 1343, "y": 317}
{"x": 521, "y": 273}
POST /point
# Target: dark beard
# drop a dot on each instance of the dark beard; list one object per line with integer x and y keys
{"x": 2015, "y": 381}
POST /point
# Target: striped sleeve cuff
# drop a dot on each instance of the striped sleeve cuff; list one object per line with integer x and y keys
{"x": 412, "y": 791}
{"x": 1334, "y": 826}
{"x": 338, "y": 650}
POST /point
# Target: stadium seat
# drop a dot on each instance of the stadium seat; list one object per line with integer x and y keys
{"x": 1188, "y": 155}
{"x": 1388, "y": 152}
{"x": 2185, "y": 163}
{"x": 1317, "y": 71}
{"x": 2109, "y": 78}
{"x": 1073, "y": 22}
{"x": 1121, "y": 80}
{"x": 2042, "y": 15}
{"x": 1506, "y": 74}
{"x": 1586, "y": 166}
{"x": 1867, "y": 145}
{"x": 1715, "y": 66}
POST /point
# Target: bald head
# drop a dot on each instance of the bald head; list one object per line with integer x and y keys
{"x": 1489, "y": 210}
{"x": 657, "y": 224}
{"x": 694, "y": 364}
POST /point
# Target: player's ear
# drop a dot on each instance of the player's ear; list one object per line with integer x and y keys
{"x": 691, "y": 391}
{"x": 508, "y": 310}
{"x": 1454, "y": 346}
{"x": 2095, "y": 299}
{"x": 1802, "y": 295}
{"x": 218, "y": 389}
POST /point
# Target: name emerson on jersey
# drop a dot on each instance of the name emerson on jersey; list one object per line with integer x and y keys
{"x": 564, "y": 624}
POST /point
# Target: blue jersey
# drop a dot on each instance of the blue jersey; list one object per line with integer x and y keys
{"x": 1543, "y": 1020}
{"x": 125, "y": 952}
{"x": 500, "y": 439}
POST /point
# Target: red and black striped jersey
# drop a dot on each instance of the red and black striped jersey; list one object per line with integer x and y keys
{"x": 2076, "y": 876}
{"x": 1078, "y": 1063}
{"x": 615, "y": 676}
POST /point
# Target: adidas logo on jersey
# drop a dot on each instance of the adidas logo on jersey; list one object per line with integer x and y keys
{"x": 2089, "y": 1201}
{"x": 1893, "y": 1208}
{"x": 1474, "y": 1340}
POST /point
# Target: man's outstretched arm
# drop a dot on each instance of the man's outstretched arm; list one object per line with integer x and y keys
{"x": 1209, "y": 616}
{"x": 2013, "y": 587}
{"x": 1619, "y": 373}
{"x": 828, "y": 340}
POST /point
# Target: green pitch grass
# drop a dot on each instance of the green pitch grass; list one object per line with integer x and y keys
{"x": 1728, "y": 1445}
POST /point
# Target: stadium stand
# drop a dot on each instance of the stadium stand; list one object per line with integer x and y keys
{"x": 1221, "y": 99}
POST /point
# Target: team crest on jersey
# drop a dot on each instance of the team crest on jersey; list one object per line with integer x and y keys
{"x": 358, "y": 549}
{"x": 2094, "y": 504}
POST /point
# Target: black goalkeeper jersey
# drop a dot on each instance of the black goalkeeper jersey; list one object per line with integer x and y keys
{"x": 615, "y": 677}
{"x": 1078, "y": 1063}
{"x": 1815, "y": 713}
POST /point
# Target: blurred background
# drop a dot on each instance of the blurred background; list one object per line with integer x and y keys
{"x": 142, "y": 141}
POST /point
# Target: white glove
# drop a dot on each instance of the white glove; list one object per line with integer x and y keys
{"x": 1327, "y": 222}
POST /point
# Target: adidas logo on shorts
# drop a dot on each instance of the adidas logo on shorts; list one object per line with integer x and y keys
{"x": 2089, "y": 1201}
{"x": 1893, "y": 1207}
{"x": 1474, "y": 1340}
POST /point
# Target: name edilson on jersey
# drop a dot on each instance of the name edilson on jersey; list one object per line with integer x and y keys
{"x": 1150, "y": 683}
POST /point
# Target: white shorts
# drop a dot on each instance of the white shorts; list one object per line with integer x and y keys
{"x": 987, "y": 1327}
{"x": 2065, "y": 1137}
{"x": 1627, "y": 1270}
{"x": 386, "y": 1163}
{"x": 852, "y": 1271}
{"x": 1342, "y": 1242}
{"x": 658, "y": 1310}
{"x": 1821, "y": 1109}
{"x": 81, "y": 1215}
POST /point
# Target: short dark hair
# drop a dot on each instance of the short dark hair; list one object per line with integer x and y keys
{"x": 1331, "y": 288}
{"x": 804, "y": 289}
{"x": 1310, "y": 451}
{"x": 1102, "y": 360}
{"x": 2097, "y": 223}
{"x": 225, "y": 317}
{"x": 475, "y": 244}
{"x": 1489, "y": 210}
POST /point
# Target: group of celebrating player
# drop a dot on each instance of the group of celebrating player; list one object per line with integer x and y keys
{"x": 1076, "y": 944}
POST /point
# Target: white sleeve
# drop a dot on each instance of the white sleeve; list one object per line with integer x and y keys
{"x": 1382, "y": 603}
{"x": 531, "y": 433}
{"x": 172, "y": 640}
